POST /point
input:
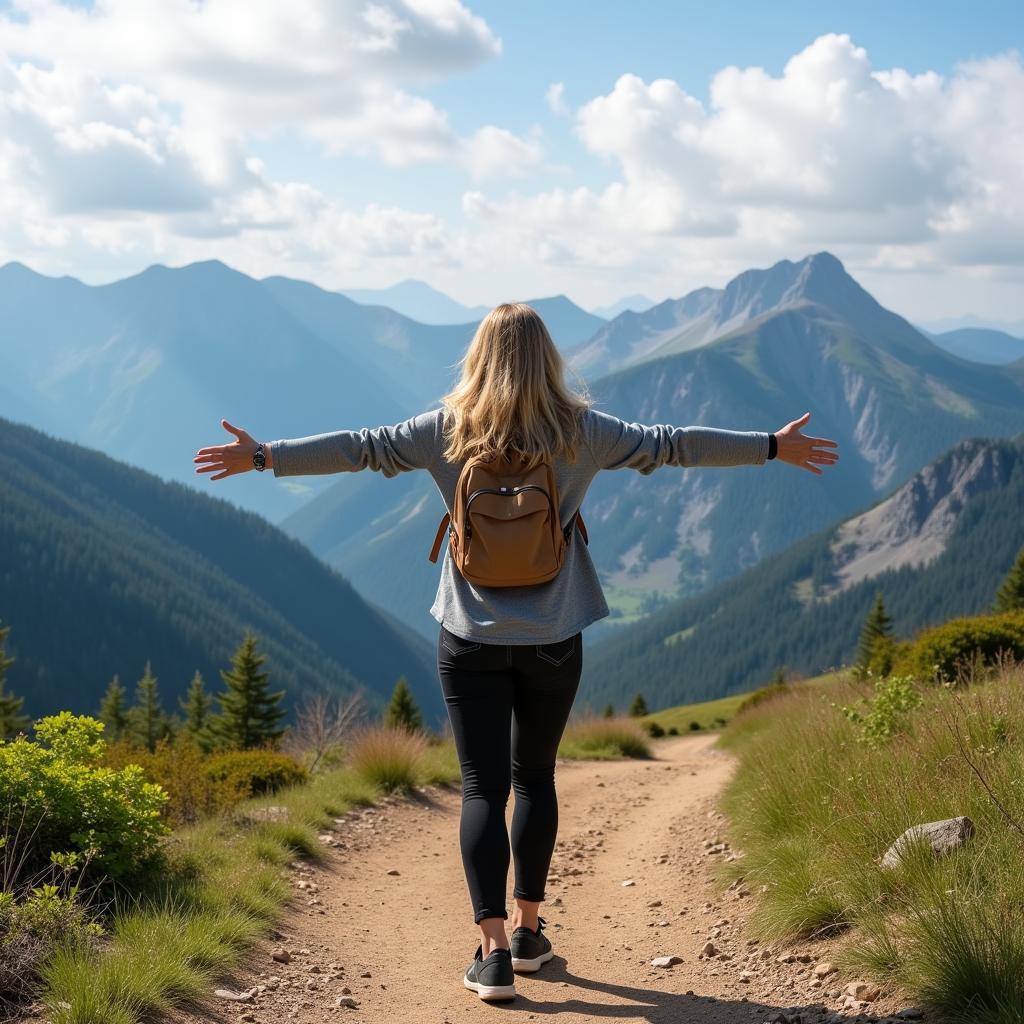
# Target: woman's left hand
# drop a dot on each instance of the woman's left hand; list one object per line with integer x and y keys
{"x": 227, "y": 459}
{"x": 798, "y": 450}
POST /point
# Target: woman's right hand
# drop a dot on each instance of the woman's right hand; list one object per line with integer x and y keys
{"x": 228, "y": 459}
{"x": 798, "y": 450}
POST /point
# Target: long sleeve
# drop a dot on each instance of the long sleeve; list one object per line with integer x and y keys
{"x": 412, "y": 444}
{"x": 616, "y": 444}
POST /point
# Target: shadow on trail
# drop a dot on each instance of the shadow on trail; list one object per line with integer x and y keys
{"x": 653, "y": 1005}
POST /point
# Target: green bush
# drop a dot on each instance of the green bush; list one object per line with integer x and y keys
{"x": 178, "y": 766}
{"x": 605, "y": 739}
{"x": 763, "y": 694}
{"x": 249, "y": 773}
{"x": 654, "y": 730}
{"x": 882, "y": 716}
{"x": 56, "y": 796}
{"x": 937, "y": 653}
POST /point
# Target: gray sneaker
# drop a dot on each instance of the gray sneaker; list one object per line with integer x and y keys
{"x": 530, "y": 948}
{"x": 492, "y": 978}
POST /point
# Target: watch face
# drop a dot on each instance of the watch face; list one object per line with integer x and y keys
{"x": 259, "y": 459}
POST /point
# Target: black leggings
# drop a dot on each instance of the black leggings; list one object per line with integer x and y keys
{"x": 508, "y": 705}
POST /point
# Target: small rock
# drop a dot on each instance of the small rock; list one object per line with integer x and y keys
{"x": 823, "y": 970}
{"x": 862, "y": 991}
{"x": 654, "y": 903}
{"x": 366, "y": 974}
{"x": 943, "y": 836}
{"x": 666, "y": 961}
{"x": 348, "y": 1001}
{"x": 235, "y": 997}
{"x": 281, "y": 955}
{"x": 628, "y": 881}
{"x": 709, "y": 949}
{"x": 910, "y": 1013}
{"x": 394, "y": 871}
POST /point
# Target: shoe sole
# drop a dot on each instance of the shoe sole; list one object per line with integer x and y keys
{"x": 490, "y": 992}
{"x": 522, "y": 966}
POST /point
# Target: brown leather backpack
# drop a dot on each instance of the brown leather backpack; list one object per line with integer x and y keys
{"x": 505, "y": 529}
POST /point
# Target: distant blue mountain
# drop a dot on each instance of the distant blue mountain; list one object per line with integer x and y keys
{"x": 634, "y": 303}
{"x": 418, "y": 300}
{"x": 980, "y": 344}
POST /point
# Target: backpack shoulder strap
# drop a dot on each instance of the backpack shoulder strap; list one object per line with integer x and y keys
{"x": 439, "y": 537}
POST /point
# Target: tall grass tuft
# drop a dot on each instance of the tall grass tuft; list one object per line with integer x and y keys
{"x": 599, "y": 738}
{"x": 388, "y": 757}
{"x": 820, "y": 793}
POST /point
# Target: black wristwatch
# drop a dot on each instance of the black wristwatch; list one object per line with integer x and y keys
{"x": 773, "y": 446}
{"x": 259, "y": 458}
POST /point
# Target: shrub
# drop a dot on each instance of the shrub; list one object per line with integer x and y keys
{"x": 179, "y": 767}
{"x": 939, "y": 653}
{"x": 58, "y": 796}
{"x": 763, "y": 694}
{"x": 32, "y": 924}
{"x": 605, "y": 738}
{"x": 673, "y": 731}
{"x": 389, "y": 758}
{"x": 248, "y": 773}
{"x": 885, "y": 713}
{"x": 695, "y": 727}
{"x": 655, "y": 730}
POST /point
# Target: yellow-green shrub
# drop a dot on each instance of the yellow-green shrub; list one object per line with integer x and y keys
{"x": 56, "y": 795}
{"x": 249, "y": 773}
{"x": 179, "y": 767}
{"x": 938, "y": 652}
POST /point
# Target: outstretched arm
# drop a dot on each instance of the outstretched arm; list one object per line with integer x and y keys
{"x": 617, "y": 444}
{"x": 412, "y": 444}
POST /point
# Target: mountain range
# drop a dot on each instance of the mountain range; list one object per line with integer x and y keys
{"x": 795, "y": 337}
{"x": 981, "y": 344}
{"x": 104, "y": 566}
{"x": 936, "y": 547}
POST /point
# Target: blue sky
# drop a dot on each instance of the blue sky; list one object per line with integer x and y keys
{"x": 356, "y": 144}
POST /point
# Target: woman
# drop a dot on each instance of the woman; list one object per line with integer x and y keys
{"x": 509, "y": 658}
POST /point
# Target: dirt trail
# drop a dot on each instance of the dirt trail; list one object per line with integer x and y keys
{"x": 398, "y": 943}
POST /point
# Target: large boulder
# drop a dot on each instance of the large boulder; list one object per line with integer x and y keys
{"x": 942, "y": 836}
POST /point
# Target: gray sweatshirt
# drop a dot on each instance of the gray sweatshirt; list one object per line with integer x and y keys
{"x": 545, "y": 612}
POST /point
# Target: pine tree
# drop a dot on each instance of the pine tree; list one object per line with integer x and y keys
{"x": 609, "y": 711}
{"x": 1010, "y": 596}
{"x": 12, "y": 721}
{"x": 638, "y": 707}
{"x": 875, "y": 650}
{"x": 196, "y": 706}
{"x": 250, "y": 714}
{"x": 148, "y": 724}
{"x": 114, "y": 710}
{"x": 402, "y": 712}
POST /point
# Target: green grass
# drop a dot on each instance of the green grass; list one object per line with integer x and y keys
{"x": 604, "y": 739}
{"x": 714, "y": 714}
{"x": 813, "y": 806}
{"x": 221, "y": 888}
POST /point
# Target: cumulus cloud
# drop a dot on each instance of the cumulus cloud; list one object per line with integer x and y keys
{"x": 127, "y": 127}
{"x": 895, "y": 169}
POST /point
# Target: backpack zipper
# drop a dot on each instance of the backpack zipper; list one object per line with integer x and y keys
{"x": 505, "y": 492}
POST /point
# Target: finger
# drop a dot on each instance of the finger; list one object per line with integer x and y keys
{"x": 214, "y": 449}
{"x": 237, "y": 431}
{"x": 212, "y": 468}
{"x": 821, "y": 440}
{"x": 813, "y": 469}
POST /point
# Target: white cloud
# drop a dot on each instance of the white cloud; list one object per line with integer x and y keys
{"x": 127, "y": 132}
{"x": 555, "y": 97}
{"x": 878, "y": 165}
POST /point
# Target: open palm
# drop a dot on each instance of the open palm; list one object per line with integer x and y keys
{"x": 227, "y": 459}
{"x": 801, "y": 450}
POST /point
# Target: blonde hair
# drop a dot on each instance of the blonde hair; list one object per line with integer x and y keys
{"x": 512, "y": 396}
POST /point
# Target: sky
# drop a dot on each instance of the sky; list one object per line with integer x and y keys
{"x": 514, "y": 150}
